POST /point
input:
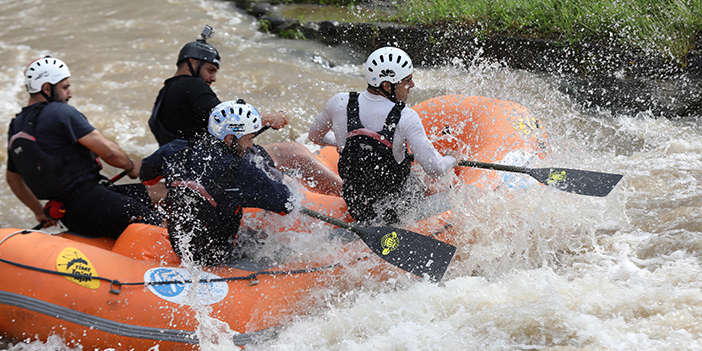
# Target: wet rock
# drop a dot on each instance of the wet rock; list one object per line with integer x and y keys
{"x": 596, "y": 75}
{"x": 694, "y": 59}
{"x": 276, "y": 23}
{"x": 262, "y": 9}
{"x": 658, "y": 98}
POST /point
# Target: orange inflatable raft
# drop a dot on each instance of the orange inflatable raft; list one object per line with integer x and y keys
{"x": 134, "y": 294}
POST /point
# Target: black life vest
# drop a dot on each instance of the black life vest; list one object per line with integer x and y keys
{"x": 194, "y": 209}
{"x": 47, "y": 176}
{"x": 163, "y": 135}
{"x": 367, "y": 165}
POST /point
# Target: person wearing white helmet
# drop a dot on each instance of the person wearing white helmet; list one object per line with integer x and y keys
{"x": 52, "y": 155}
{"x": 186, "y": 99}
{"x": 209, "y": 181}
{"x": 372, "y": 131}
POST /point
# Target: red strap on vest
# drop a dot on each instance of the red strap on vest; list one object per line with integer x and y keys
{"x": 372, "y": 134}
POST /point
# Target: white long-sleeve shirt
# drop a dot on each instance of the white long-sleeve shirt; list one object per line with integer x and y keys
{"x": 330, "y": 128}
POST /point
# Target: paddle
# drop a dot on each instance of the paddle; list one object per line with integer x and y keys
{"x": 118, "y": 177}
{"x": 124, "y": 173}
{"x": 413, "y": 252}
{"x": 566, "y": 179}
{"x": 265, "y": 128}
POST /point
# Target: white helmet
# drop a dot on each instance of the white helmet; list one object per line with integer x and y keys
{"x": 387, "y": 64}
{"x": 44, "y": 70}
{"x": 233, "y": 117}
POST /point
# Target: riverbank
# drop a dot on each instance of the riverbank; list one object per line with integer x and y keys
{"x": 594, "y": 74}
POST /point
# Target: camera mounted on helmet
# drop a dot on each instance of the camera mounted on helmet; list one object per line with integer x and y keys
{"x": 199, "y": 50}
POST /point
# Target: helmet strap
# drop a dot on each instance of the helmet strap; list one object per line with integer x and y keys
{"x": 389, "y": 94}
{"x": 52, "y": 92}
{"x": 193, "y": 72}
{"x": 199, "y": 67}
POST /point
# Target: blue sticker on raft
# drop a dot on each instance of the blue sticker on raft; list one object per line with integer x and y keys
{"x": 176, "y": 285}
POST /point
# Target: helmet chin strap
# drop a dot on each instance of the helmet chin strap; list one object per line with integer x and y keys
{"x": 389, "y": 94}
{"x": 52, "y": 92}
{"x": 195, "y": 73}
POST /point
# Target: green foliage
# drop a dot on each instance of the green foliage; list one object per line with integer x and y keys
{"x": 265, "y": 26}
{"x": 664, "y": 27}
{"x": 324, "y": 2}
{"x": 292, "y": 34}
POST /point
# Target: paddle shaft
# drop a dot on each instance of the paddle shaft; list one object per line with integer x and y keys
{"x": 330, "y": 220}
{"x": 495, "y": 166}
{"x": 339, "y": 223}
{"x": 265, "y": 128}
{"x": 118, "y": 177}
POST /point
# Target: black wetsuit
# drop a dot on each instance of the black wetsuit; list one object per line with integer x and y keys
{"x": 182, "y": 109}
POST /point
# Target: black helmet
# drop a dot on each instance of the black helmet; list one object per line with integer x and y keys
{"x": 200, "y": 49}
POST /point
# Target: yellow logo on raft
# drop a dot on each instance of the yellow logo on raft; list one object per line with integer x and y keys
{"x": 72, "y": 261}
{"x": 390, "y": 242}
{"x": 556, "y": 177}
{"x": 526, "y": 125}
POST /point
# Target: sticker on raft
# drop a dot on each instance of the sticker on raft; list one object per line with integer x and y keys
{"x": 72, "y": 261}
{"x": 526, "y": 125}
{"x": 179, "y": 292}
{"x": 389, "y": 242}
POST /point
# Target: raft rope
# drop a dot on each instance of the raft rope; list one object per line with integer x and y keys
{"x": 446, "y": 227}
{"x": 116, "y": 283}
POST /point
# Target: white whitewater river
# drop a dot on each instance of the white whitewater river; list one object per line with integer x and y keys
{"x": 548, "y": 270}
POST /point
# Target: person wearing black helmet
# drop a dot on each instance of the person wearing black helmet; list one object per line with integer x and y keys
{"x": 184, "y": 103}
{"x": 201, "y": 51}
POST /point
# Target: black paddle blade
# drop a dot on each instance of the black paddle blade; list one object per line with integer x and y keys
{"x": 577, "y": 181}
{"x": 413, "y": 252}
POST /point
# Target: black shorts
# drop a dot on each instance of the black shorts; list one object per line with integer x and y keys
{"x": 98, "y": 210}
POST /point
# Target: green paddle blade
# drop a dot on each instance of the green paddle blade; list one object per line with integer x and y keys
{"x": 577, "y": 181}
{"x": 410, "y": 251}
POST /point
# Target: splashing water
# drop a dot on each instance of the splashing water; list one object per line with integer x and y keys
{"x": 535, "y": 268}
